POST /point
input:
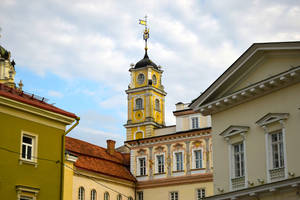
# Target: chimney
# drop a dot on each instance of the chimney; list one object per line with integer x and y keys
{"x": 111, "y": 146}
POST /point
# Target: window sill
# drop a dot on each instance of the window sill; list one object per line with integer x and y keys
{"x": 178, "y": 171}
{"x": 142, "y": 175}
{"x": 22, "y": 161}
{"x": 196, "y": 169}
{"x": 138, "y": 109}
{"x": 160, "y": 173}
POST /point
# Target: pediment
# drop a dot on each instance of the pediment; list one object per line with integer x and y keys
{"x": 234, "y": 130}
{"x": 271, "y": 118}
{"x": 263, "y": 68}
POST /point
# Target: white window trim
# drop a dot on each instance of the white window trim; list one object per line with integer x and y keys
{"x": 174, "y": 160}
{"x": 156, "y": 163}
{"x": 34, "y": 160}
{"x": 173, "y": 192}
{"x": 264, "y": 122}
{"x": 191, "y": 121}
{"x": 196, "y": 192}
{"x": 95, "y": 197}
{"x": 138, "y": 172}
{"x": 194, "y": 160}
{"x": 27, "y": 192}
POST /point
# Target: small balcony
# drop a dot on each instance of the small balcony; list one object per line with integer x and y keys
{"x": 238, "y": 183}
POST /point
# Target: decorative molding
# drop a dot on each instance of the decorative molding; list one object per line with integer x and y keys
{"x": 234, "y": 130}
{"x": 271, "y": 118}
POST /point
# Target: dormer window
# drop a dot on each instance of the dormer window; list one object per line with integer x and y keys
{"x": 195, "y": 122}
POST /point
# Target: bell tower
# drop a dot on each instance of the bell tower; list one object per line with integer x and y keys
{"x": 146, "y": 96}
{"x": 7, "y": 68}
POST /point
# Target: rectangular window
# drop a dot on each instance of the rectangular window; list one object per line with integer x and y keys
{"x": 142, "y": 163}
{"x": 195, "y": 122}
{"x": 198, "y": 159}
{"x": 238, "y": 156}
{"x": 140, "y": 195}
{"x": 26, "y": 198}
{"x": 277, "y": 150}
{"x": 173, "y": 195}
{"x": 179, "y": 161}
{"x": 28, "y": 147}
{"x": 160, "y": 164}
{"x": 200, "y": 193}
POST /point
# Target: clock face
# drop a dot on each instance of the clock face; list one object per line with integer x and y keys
{"x": 154, "y": 81}
{"x": 141, "y": 78}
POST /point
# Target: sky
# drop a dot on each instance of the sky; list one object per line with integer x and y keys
{"x": 77, "y": 53}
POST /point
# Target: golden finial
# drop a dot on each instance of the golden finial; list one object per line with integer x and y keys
{"x": 146, "y": 31}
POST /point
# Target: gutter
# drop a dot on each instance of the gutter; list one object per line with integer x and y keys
{"x": 63, "y": 157}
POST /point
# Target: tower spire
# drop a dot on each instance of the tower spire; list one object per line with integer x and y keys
{"x": 146, "y": 32}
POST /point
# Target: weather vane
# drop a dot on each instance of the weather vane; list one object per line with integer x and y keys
{"x": 146, "y": 31}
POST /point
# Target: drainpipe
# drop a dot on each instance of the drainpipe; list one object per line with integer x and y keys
{"x": 63, "y": 157}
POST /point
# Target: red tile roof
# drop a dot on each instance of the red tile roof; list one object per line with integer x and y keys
{"x": 96, "y": 159}
{"x": 20, "y": 96}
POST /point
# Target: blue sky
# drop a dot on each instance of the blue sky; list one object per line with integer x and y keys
{"x": 77, "y": 53}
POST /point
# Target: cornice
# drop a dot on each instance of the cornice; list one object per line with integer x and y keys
{"x": 201, "y": 178}
{"x": 36, "y": 111}
{"x": 255, "y": 90}
{"x": 140, "y": 89}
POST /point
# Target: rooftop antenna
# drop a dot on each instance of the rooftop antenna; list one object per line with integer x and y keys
{"x": 146, "y": 31}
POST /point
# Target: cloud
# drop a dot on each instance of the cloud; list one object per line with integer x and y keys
{"x": 55, "y": 94}
{"x": 86, "y": 130}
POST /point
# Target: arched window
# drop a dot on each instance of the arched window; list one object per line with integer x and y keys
{"x": 119, "y": 197}
{"x": 130, "y": 198}
{"x": 139, "y": 135}
{"x": 141, "y": 78}
{"x": 157, "y": 105}
{"x": 106, "y": 196}
{"x": 154, "y": 81}
{"x": 81, "y": 193}
{"x": 93, "y": 194}
{"x": 139, "y": 104}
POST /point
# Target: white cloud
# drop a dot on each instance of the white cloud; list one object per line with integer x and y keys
{"x": 56, "y": 94}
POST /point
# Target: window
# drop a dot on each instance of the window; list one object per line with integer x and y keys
{"x": 28, "y": 145}
{"x": 195, "y": 122}
{"x": 277, "y": 150}
{"x": 198, "y": 159}
{"x": 173, "y": 195}
{"x": 81, "y": 193}
{"x": 179, "y": 161}
{"x": 154, "y": 80}
{"x": 157, "y": 105}
{"x": 139, "y": 135}
{"x": 238, "y": 157}
{"x": 106, "y": 196}
{"x": 142, "y": 165}
{"x": 139, "y": 104}
{"x": 93, "y": 194}
{"x": 130, "y": 198}
{"x": 141, "y": 78}
{"x": 140, "y": 195}
{"x": 160, "y": 164}
{"x": 200, "y": 193}
{"x": 119, "y": 197}
{"x": 26, "y": 198}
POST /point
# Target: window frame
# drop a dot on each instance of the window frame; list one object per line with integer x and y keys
{"x": 139, "y": 166}
{"x": 157, "y": 105}
{"x": 175, "y": 169}
{"x": 199, "y": 193}
{"x": 140, "y": 80}
{"x": 34, "y": 148}
{"x": 81, "y": 193}
{"x": 172, "y": 195}
{"x": 194, "y": 161}
{"x": 160, "y": 166}
{"x": 154, "y": 79}
{"x": 139, "y": 103}
{"x": 241, "y": 157}
{"x": 106, "y": 195}
{"x": 119, "y": 197}
{"x": 280, "y": 150}
{"x": 140, "y": 195}
{"x": 93, "y": 194}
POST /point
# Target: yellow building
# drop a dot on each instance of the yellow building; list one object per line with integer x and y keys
{"x": 32, "y": 141}
{"x": 93, "y": 172}
{"x": 254, "y": 106}
{"x": 169, "y": 162}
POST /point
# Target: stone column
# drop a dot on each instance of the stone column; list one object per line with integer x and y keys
{"x": 207, "y": 155}
{"x": 169, "y": 160}
{"x": 187, "y": 153}
{"x": 151, "y": 165}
